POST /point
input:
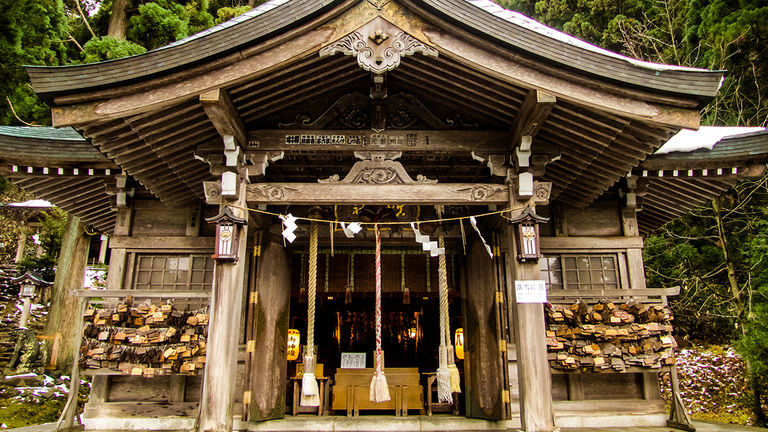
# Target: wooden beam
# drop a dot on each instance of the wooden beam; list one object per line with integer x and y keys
{"x": 532, "y": 115}
{"x": 171, "y": 93}
{"x": 512, "y": 70}
{"x": 131, "y": 242}
{"x": 319, "y": 194}
{"x": 223, "y": 114}
{"x": 551, "y": 244}
{"x": 120, "y": 293}
{"x": 394, "y": 140}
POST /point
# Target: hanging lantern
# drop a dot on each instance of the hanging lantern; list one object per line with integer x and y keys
{"x": 227, "y": 234}
{"x": 294, "y": 341}
{"x": 527, "y": 234}
{"x": 458, "y": 343}
{"x": 412, "y": 332}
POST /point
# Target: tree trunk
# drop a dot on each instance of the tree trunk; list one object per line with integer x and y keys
{"x": 741, "y": 315}
{"x": 69, "y": 276}
{"x": 118, "y": 20}
{"x": 732, "y": 282}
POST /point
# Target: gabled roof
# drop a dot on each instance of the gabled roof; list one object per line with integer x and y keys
{"x": 678, "y": 182}
{"x": 146, "y": 116}
{"x": 262, "y": 22}
{"x": 62, "y": 146}
{"x": 481, "y": 17}
{"x": 521, "y": 33}
{"x": 60, "y": 166}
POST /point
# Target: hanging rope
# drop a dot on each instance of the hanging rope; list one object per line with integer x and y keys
{"x": 509, "y": 210}
{"x": 379, "y": 388}
{"x": 310, "y": 395}
{"x": 445, "y": 315}
{"x": 443, "y": 372}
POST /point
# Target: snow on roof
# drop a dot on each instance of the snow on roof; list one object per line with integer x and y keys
{"x": 488, "y": 6}
{"x": 525, "y": 22}
{"x": 32, "y": 203}
{"x": 262, "y": 8}
{"x": 688, "y": 140}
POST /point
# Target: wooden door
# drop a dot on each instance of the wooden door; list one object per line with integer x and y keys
{"x": 482, "y": 362}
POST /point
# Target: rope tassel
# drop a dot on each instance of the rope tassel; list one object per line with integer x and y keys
{"x": 455, "y": 377}
{"x": 379, "y": 388}
{"x": 310, "y": 394}
{"x": 444, "y": 378}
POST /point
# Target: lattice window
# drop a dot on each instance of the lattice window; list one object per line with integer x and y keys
{"x": 173, "y": 272}
{"x": 591, "y": 271}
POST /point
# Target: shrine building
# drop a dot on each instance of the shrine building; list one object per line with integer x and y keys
{"x": 427, "y": 214}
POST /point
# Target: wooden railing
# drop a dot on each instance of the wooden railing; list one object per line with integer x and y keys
{"x": 642, "y": 295}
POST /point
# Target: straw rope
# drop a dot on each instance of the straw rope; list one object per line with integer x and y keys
{"x": 310, "y": 395}
{"x": 379, "y": 388}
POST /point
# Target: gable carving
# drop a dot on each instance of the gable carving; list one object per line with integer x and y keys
{"x": 378, "y": 46}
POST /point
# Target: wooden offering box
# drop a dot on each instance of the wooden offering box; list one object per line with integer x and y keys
{"x": 351, "y": 391}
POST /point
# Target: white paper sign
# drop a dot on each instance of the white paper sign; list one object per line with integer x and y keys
{"x": 531, "y": 291}
{"x": 353, "y": 360}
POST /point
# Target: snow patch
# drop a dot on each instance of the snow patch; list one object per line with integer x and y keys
{"x": 32, "y": 203}
{"x": 525, "y": 22}
{"x": 688, "y": 140}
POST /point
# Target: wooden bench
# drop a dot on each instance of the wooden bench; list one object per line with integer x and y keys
{"x": 351, "y": 391}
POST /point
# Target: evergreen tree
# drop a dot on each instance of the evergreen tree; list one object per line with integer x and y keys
{"x": 31, "y": 32}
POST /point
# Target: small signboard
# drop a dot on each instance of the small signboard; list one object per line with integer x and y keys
{"x": 531, "y": 291}
{"x": 353, "y": 360}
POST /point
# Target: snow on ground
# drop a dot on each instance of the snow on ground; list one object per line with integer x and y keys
{"x": 32, "y": 203}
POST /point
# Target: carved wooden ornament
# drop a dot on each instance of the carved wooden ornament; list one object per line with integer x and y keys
{"x": 378, "y": 45}
{"x": 378, "y": 168}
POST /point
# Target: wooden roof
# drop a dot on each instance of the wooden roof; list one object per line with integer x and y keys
{"x": 673, "y": 184}
{"x": 278, "y": 17}
{"x": 60, "y": 166}
{"x": 147, "y": 113}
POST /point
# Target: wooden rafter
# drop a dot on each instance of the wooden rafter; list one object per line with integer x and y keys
{"x": 532, "y": 115}
{"x": 223, "y": 114}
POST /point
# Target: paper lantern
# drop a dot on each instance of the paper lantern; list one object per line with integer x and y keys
{"x": 458, "y": 344}
{"x": 527, "y": 234}
{"x": 227, "y": 234}
{"x": 294, "y": 339}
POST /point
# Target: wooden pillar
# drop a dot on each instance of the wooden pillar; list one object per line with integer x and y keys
{"x": 635, "y": 264}
{"x": 25, "y": 312}
{"x": 21, "y": 241}
{"x": 218, "y": 396}
{"x": 69, "y": 276}
{"x": 482, "y": 359}
{"x": 103, "y": 248}
{"x": 267, "y": 351}
{"x": 535, "y": 381}
{"x": 118, "y": 257}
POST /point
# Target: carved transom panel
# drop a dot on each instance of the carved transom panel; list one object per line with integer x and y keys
{"x": 378, "y": 168}
{"x": 378, "y": 45}
{"x": 400, "y": 111}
